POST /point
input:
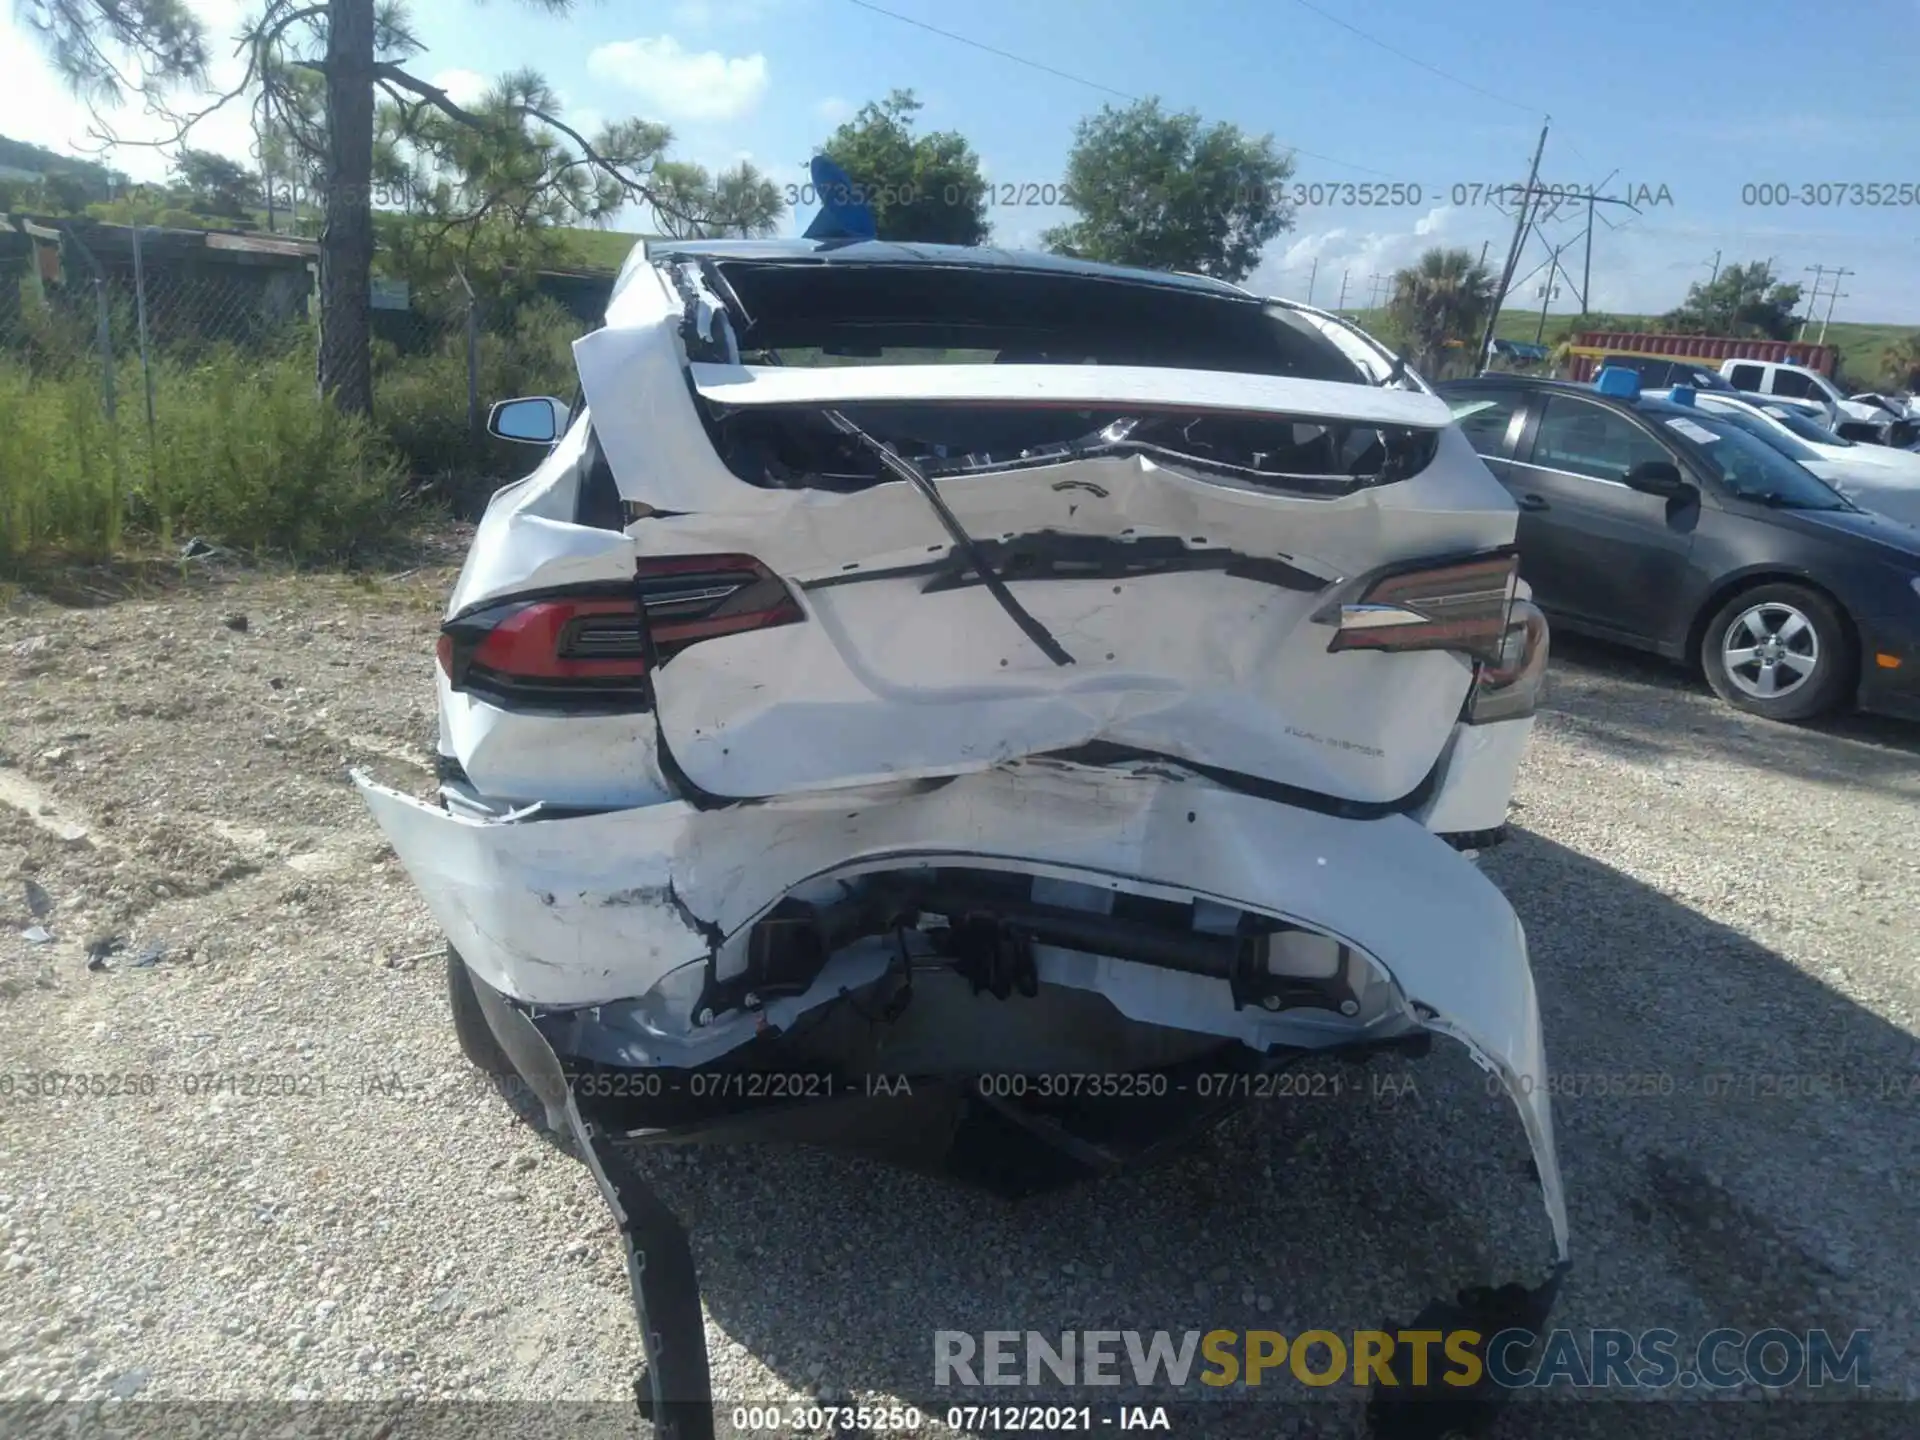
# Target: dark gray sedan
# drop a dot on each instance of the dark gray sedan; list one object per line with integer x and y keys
{"x": 1663, "y": 526}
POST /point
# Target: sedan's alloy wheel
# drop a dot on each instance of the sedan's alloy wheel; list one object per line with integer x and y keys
{"x": 1770, "y": 650}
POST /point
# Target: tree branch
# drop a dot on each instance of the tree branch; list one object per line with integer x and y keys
{"x": 441, "y": 101}
{"x": 262, "y": 38}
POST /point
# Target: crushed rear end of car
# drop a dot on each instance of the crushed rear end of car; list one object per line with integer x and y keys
{"x": 985, "y": 756}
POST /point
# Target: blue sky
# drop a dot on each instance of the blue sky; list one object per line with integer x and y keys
{"x": 1655, "y": 94}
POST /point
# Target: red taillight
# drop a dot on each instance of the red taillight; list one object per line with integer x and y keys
{"x": 596, "y": 648}
{"x": 566, "y": 640}
{"x": 1461, "y": 606}
{"x": 697, "y": 597}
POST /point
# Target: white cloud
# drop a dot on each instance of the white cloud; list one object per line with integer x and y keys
{"x": 1363, "y": 257}
{"x": 683, "y": 84}
{"x": 463, "y": 87}
{"x": 833, "y": 109}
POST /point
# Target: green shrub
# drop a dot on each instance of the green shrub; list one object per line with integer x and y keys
{"x": 242, "y": 452}
{"x": 421, "y": 400}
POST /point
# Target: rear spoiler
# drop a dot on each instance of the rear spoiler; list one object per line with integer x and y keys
{"x": 1125, "y": 387}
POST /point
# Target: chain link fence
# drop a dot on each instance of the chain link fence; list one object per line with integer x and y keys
{"x": 140, "y": 348}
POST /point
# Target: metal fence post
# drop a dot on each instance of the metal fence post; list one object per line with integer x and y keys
{"x": 103, "y": 334}
{"x": 105, "y": 324}
{"x": 474, "y": 430}
{"x": 473, "y": 369}
{"x": 104, "y": 328}
{"x": 146, "y": 365}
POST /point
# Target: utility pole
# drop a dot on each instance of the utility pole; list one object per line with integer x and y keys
{"x": 1341, "y": 303}
{"x": 1312, "y": 275}
{"x": 1546, "y": 291}
{"x": 1813, "y": 300}
{"x": 1513, "y": 249}
{"x": 1716, "y": 270}
{"x": 1586, "y": 269}
{"x": 1832, "y": 295}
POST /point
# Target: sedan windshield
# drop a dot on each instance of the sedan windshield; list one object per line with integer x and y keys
{"x": 1749, "y": 468}
{"x": 1767, "y": 434}
{"x": 1806, "y": 427}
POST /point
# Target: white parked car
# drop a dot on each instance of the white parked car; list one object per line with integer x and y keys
{"x": 1804, "y": 389}
{"x": 1896, "y": 406}
{"x": 1063, "y": 691}
{"x": 1874, "y": 477}
{"x": 1899, "y": 418}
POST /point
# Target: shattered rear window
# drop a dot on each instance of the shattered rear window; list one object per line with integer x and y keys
{"x": 815, "y": 315}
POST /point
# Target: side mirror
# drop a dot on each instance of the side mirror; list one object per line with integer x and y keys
{"x": 1657, "y": 477}
{"x": 530, "y": 420}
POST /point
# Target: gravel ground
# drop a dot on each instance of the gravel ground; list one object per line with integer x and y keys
{"x": 299, "y": 1191}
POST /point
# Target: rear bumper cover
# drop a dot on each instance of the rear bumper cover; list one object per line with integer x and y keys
{"x": 572, "y": 912}
{"x": 649, "y": 904}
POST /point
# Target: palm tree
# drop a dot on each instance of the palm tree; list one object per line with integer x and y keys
{"x": 1445, "y": 297}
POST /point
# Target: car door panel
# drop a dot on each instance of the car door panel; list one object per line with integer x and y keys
{"x": 1596, "y": 552}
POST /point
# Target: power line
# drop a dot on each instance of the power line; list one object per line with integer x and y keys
{"x": 1003, "y": 54}
{"x": 1433, "y": 69}
{"x": 1069, "y": 76}
{"x": 1414, "y": 59}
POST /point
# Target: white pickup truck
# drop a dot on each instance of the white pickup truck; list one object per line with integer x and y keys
{"x": 1805, "y": 389}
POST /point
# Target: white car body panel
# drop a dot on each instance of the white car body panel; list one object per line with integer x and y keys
{"x": 1874, "y": 477}
{"x": 1480, "y": 770}
{"x": 613, "y": 760}
{"x": 602, "y": 908}
{"x": 1065, "y": 385}
{"x": 1197, "y": 667}
{"x": 1880, "y": 488}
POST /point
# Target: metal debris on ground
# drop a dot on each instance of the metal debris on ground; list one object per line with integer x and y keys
{"x": 38, "y": 901}
{"x": 99, "y": 951}
{"x": 37, "y": 935}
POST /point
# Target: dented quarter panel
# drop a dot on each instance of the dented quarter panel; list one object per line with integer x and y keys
{"x": 1477, "y": 777}
{"x": 527, "y": 539}
{"x": 591, "y": 761}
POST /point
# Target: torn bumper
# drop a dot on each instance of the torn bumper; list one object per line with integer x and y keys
{"x": 650, "y": 907}
{"x": 558, "y": 916}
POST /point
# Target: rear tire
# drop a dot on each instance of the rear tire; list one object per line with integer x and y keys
{"x": 483, "y": 1052}
{"x": 470, "y": 1026}
{"x": 1782, "y": 651}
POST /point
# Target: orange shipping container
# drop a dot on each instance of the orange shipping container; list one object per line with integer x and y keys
{"x": 1591, "y": 346}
